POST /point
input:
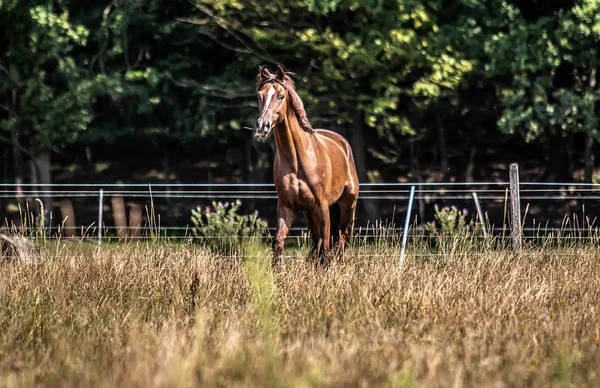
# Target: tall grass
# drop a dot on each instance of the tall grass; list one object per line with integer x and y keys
{"x": 146, "y": 314}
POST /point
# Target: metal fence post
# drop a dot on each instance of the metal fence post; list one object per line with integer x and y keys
{"x": 100, "y": 214}
{"x": 480, "y": 213}
{"x": 515, "y": 207}
{"x": 406, "y": 225}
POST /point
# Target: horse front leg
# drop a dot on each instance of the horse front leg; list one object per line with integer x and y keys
{"x": 285, "y": 217}
{"x": 324, "y": 226}
{"x": 315, "y": 235}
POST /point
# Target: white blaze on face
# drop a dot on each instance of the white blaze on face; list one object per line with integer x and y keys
{"x": 270, "y": 93}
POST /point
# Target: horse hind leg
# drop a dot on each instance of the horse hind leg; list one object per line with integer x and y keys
{"x": 346, "y": 221}
{"x": 315, "y": 235}
{"x": 324, "y": 226}
{"x": 334, "y": 223}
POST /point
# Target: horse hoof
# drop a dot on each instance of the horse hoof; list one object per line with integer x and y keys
{"x": 276, "y": 262}
{"x": 326, "y": 260}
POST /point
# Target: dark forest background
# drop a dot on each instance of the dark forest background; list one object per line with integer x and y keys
{"x": 159, "y": 91}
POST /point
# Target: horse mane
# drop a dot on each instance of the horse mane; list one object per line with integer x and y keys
{"x": 265, "y": 77}
{"x": 297, "y": 105}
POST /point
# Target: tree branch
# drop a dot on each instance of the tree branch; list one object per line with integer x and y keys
{"x": 105, "y": 43}
{"x": 139, "y": 58}
{"x": 126, "y": 48}
{"x": 196, "y": 21}
{"x": 235, "y": 33}
{"x": 5, "y": 70}
{"x": 225, "y": 45}
{"x": 20, "y": 147}
{"x": 229, "y": 106}
{"x": 210, "y": 91}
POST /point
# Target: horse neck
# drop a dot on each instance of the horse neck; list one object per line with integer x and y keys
{"x": 291, "y": 139}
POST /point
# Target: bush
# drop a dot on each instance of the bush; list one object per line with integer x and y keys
{"x": 454, "y": 230}
{"x": 223, "y": 230}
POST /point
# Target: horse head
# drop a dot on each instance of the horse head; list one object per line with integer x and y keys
{"x": 276, "y": 93}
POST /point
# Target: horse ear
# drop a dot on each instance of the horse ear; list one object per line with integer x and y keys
{"x": 263, "y": 73}
{"x": 280, "y": 73}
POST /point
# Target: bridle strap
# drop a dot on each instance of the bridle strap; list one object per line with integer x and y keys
{"x": 270, "y": 81}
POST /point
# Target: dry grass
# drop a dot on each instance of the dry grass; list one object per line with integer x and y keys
{"x": 174, "y": 315}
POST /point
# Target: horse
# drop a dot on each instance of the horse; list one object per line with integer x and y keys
{"x": 313, "y": 171}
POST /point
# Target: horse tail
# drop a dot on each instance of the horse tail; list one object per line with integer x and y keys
{"x": 334, "y": 218}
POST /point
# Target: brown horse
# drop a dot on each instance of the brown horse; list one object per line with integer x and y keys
{"x": 313, "y": 169}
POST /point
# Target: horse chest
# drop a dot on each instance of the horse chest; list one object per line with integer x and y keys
{"x": 294, "y": 192}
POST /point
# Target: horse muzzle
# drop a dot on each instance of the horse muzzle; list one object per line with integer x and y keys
{"x": 263, "y": 129}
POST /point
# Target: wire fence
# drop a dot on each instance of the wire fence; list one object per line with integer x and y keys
{"x": 162, "y": 210}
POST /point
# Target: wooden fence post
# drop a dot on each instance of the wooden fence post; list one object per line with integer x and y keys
{"x": 515, "y": 207}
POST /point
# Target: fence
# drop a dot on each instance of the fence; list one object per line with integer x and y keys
{"x": 163, "y": 210}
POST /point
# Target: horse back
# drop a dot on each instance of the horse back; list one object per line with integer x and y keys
{"x": 336, "y": 138}
{"x": 334, "y": 141}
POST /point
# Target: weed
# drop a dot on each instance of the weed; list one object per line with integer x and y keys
{"x": 223, "y": 230}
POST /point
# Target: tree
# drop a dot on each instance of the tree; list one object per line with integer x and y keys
{"x": 44, "y": 94}
{"x": 551, "y": 62}
{"x": 162, "y": 78}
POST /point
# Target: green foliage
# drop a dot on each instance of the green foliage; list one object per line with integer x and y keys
{"x": 552, "y": 63}
{"x": 370, "y": 55}
{"x": 50, "y": 94}
{"x": 322, "y": 7}
{"x": 224, "y": 231}
{"x": 96, "y": 71}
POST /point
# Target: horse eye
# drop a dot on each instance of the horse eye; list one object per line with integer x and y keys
{"x": 280, "y": 97}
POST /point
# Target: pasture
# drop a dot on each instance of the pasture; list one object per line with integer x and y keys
{"x": 156, "y": 314}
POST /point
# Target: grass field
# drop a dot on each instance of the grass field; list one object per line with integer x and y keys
{"x": 175, "y": 315}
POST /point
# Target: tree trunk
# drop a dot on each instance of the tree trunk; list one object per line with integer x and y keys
{"x": 135, "y": 220}
{"x": 589, "y": 140}
{"x": 471, "y": 164}
{"x": 33, "y": 209}
{"x": 589, "y": 158}
{"x": 251, "y": 170}
{"x": 18, "y": 163}
{"x": 416, "y": 171}
{"x": 69, "y": 226}
{"x": 42, "y": 162}
{"x": 442, "y": 143}
{"x": 558, "y": 168}
{"x": 119, "y": 216}
{"x": 5, "y": 164}
{"x": 171, "y": 207}
{"x": 17, "y": 153}
{"x": 360, "y": 158}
